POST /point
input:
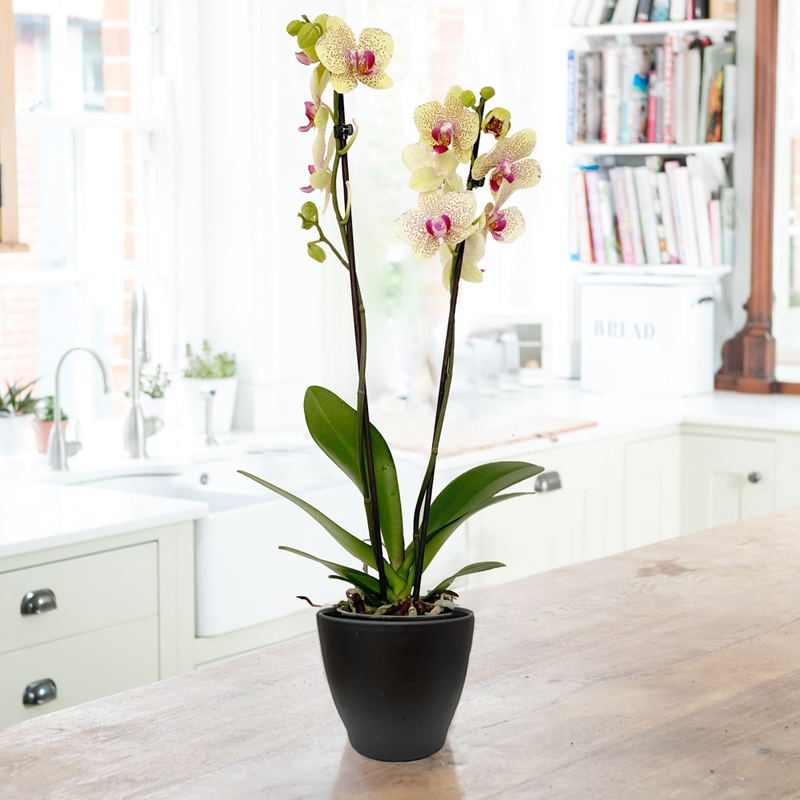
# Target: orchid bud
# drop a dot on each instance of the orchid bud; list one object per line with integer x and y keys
{"x": 316, "y": 252}
{"x": 308, "y": 35}
{"x": 308, "y": 211}
{"x": 487, "y": 93}
{"x": 497, "y": 122}
{"x": 293, "y": 28}
{"x": 467, "y": 98}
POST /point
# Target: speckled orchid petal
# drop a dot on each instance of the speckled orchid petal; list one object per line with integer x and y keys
{"x": 526, "y": 174}
{"x": 349, "y": 61}
{"x": 439, "y": 218}
{"x": 320, "y": 77}
{"x": 447, "y": 126}
{"x": 474, "y": 250}
{"x": 431, "y": 171}
{"x": 503, "y": 224}
{"x": 505, "y": 152}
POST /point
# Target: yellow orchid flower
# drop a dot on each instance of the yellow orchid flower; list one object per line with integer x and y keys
{"x": 474, "y": 250}
{"x": 448, "y": 126}
{"x": 349, "y": 62}
{"x": 505, "y": 161}
{"x": 438, "y": 218}
{"x": 504, "y": 224}
{"x": 431, "y": 171}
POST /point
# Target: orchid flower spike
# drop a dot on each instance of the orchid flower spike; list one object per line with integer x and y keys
{"x": 505, "y": 161}
{"x": 438, "y": 218}
{"x": 349, "y": 62}
{"x": 448, "y": 126}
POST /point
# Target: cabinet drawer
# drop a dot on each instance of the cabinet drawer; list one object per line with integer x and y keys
{"x": 82, "y": 667}
{"x": 91, "y": 592}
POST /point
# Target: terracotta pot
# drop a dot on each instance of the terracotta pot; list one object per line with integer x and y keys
{"x": 396, "y": 681}
{"x": 41, "y": 432}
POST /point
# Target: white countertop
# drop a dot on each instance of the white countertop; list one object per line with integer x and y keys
{"x": 39, "y": 510}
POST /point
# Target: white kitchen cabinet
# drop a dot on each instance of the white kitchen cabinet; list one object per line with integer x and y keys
{"x": 652, "y": 490}
{"x": 549, "y": 529}
{"x": 725, "y": 479}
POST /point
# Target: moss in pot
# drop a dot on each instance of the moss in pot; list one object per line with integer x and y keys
{"x": 396, "y": 655}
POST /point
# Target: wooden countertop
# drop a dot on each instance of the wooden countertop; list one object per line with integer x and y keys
{"x": 668, "y": 671}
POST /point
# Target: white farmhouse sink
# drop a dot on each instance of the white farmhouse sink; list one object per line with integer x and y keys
{"x": 241, "y": 577}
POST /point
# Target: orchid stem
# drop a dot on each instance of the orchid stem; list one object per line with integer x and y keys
{"x": 423, "y": 505}
{"x": 366, "y": 461}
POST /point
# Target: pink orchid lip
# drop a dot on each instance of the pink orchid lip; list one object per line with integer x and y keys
{"x": 497, "y": 224}
{"x": 438, "y": 227}
{"x": 308, "y": 189}
{"x": 363, "y": 60}
{"x": 504, "y": 171}
{"x": 311, "y": 111}
{"x": 442, "y": 134}
{"x": 303, "y": 58}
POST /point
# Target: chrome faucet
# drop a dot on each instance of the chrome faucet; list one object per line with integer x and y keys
{"x": 58, "y": 448}
{"x": 138, "y": 428}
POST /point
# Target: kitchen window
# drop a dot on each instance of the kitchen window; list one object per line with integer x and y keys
{"x": 91, "y": 160}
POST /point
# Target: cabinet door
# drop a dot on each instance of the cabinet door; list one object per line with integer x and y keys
{"x": 652, "y": 486}
{"x": 547, "y": 530}
{"x": 725, "y": 479}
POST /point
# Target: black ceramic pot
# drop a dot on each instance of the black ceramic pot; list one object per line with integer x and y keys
{"x": 396, "y": 681}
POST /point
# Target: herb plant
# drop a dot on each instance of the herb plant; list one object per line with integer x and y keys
{"x": 446, "y": 223}
{"x": 45, "y": 411}
{"x": 18, "y": 400}
{"x": 208, "y": 364}
{"x": 154, "y": 384}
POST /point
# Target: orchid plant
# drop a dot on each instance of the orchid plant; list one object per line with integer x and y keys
{"x": 445, "y": 223}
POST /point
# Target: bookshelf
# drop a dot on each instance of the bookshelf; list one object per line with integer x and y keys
{"x": 651, "y": 30}
{"x": 650, "y": 124}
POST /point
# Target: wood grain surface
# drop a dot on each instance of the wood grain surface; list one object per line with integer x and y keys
{"x": 668, "y": 671}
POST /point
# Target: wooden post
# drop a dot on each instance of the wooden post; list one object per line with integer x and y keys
{"x": 748, "y": 359}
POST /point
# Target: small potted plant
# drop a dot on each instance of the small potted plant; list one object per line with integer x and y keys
{"x": 44, "y": 422}
{"x": 153, "y": 386}
{"x": 17, "y": 406}
{"x": 396, "y": 654}
{"x": 209, "y": 371}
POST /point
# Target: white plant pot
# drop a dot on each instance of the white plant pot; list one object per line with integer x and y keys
{"x": 12, "y": 433}
{"x": 154, "y": 406}
{"x": 193, "y": 406}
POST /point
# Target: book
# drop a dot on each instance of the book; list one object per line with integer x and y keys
{"x": 657, "y": 90}
{"x": 727, "y": 204}
{"x": 673, "y": 251}
{"x": 715, "y": 57}
{"x": 723, "y": 9}
{"x": 713, "y": 132}
{"x": 670, "y": 168}
{"x": 611, "y": 96}
{"x": 580, "y": 97}
{"x": 653, "y": 164}
{"x": 582, "y": 217}
{"x": 592, "y": 178}
{"x": 571, "y": 97}
{"x": 623, "y": 215}
{"x": 686, "y": 217}
{"x": 625, "y": 12}
{"x": 635, "y": 76}
{"x": 633, "y": 210}
{"x": 581, "y": 12}
{"x": 594, "y": 97}
{"x": 647, "y": 214}
{"x": 608, "y": 12}
{"x": 715, "y": 218}
{"x": 643, "y": 10}
{"x": 596, "y": 10}
{"x": 677, "y": 10}
{"x": 606, "y": 204}
{"x": 688, "y": 110}
{"x": 660, "y": 12}
{"x": 728, "y": 103}
{"x": 700, "y": 203}
{"x": 668, "y": 124}
{"x": 652, "y": 108}
{"x": 700, "y": 9}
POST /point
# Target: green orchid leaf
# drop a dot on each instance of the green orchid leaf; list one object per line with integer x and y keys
{"x": 360, "y": 550}
{"x": 438, "y": 538}
{"x": 366, "y": 582}
{"x": 480, "y": 566}
{"x": 332, "y": 424}
{"x": 470, "y": 492}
